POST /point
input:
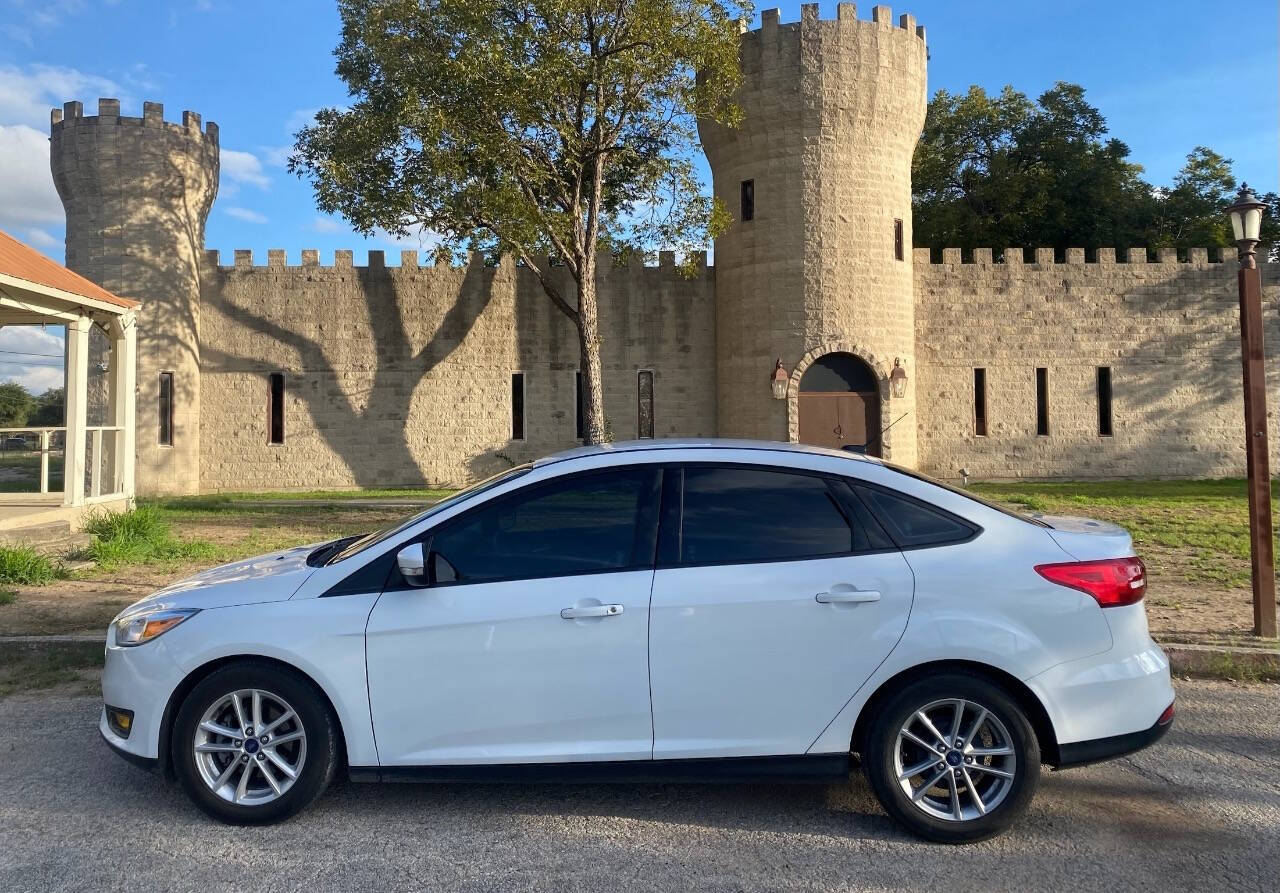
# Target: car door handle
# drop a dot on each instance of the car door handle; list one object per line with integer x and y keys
{"x": 591, "y": 611}
{"x": 851, "y": 596}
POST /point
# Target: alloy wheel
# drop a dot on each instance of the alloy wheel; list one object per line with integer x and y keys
{"x": 250, "y": 747}
{"x": 955, "y": 760}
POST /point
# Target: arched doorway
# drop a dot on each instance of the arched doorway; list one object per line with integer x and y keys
{"x": 839, "y": 404}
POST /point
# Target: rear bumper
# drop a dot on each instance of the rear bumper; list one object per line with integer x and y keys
{"x": 1082, "y": 753}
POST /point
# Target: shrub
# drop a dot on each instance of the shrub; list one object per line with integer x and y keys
{"x": 8, "y": 596}
{"x": 25, "y": 566}
{"x": 139, "y": 536}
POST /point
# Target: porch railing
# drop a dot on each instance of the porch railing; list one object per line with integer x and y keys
{"x": 101, "y": 443}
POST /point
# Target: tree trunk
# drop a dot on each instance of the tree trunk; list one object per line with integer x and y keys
{"x": 592, "y": 397}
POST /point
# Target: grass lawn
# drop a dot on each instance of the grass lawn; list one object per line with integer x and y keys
{"x": 1193, "y": 535}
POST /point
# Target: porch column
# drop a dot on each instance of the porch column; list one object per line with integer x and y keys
{"x": 77, "y": 409}
{"x": 121, "y": 401}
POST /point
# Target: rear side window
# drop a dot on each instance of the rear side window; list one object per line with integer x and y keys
{"x": 912, "y": 523}
{"x": 584, "y": 524}
{"x": 748, "y": 515}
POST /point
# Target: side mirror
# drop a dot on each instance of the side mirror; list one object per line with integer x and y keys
{"x": 412, "y": 561}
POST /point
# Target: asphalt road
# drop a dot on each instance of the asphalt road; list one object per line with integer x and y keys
{"x": 1200, "y": 811}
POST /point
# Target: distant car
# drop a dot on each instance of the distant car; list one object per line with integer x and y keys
{"x": 668, "y": 610}
{"x": 14, "y": 443}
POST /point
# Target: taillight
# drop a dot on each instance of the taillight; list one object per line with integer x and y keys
{"x": 1112, "y": 582}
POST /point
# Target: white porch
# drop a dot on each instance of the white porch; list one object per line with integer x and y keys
{"x": 96, "y": 462}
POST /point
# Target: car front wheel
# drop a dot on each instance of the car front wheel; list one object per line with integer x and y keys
{"x": 254, "y": 743}
{"x": 952, "y": 758}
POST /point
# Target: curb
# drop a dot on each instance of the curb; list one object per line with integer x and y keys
{"x": 1255, "y": 664}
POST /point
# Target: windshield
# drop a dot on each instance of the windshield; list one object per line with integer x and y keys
{"x": 1003, "y": 509}
{"x": 361, "y": 543}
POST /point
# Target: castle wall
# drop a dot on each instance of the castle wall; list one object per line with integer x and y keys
{"x": 1168, "y": 330}
{"x": 401, "y": 376}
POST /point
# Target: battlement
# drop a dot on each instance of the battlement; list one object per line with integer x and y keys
{"x": 410, "y": 260}
{"x": 72, "y": 115}
{"x": 1048, "y": 257}
{"x": 774, "y": 43}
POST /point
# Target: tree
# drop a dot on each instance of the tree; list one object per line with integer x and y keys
{"x": 50, "y": 409}
{"x": 15, "y": 405}
{"x": 1000, "y": 171}
{"x": 543, "y": 129}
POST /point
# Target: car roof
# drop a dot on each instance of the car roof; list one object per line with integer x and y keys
{"x": 723, "y": 444}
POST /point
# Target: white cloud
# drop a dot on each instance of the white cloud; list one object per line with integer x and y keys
{"x": 244, "y": 167}
{"x": 35, "y": 358}
{"x": 327, "y": 225}
{"x": 245, "y": 214}
{"x": 417, "y": 237}
{"x": 26, "y": 95}
{"x": 41, "y": 239}
{"x": 299, "y": 119}
{"x": 276, "y": 156}
{"x": 27, "y": 196}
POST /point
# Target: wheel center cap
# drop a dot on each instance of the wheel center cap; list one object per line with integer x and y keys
{"x": 954, "y": 758}
{"x": 251, "y": 745}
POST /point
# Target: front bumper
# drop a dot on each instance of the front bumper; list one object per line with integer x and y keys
{"x": 151, "y": 764}
{"x": 139, "y": 679}
{"x": 1082, "y": 753}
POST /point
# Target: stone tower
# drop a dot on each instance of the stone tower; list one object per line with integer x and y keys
{"x": 137, "y": 192}
{"x": 833, "y": 111}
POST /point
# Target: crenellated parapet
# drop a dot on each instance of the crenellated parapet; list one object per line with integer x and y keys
{"x": 1051, "y": 257}
{"x": 72, "y": 115}
{"x": 776, "y": 45}
{"x": 243, "y": 260}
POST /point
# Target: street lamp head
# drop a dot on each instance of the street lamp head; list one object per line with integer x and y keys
{"x": 1246, "y": 218}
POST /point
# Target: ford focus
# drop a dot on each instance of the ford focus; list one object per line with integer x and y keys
{"x": 659, "y": 610}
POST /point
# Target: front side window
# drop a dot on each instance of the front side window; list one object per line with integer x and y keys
{"x": 583, "y": 524}
{"x": 749, "y": 515}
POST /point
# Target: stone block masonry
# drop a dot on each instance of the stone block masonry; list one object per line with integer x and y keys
{"x": 401, "y": 376}
{"x": 1169, "y": 331}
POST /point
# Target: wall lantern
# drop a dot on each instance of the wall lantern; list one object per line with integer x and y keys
{"x": 778, "y": 381}
{"x": 898, "y": 379}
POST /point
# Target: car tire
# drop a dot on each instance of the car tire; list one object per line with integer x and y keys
{"x": 297, "y": 732}
{"x": 981, "y": 786}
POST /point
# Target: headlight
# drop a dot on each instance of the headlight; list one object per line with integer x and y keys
{"x": 134, "y": 629}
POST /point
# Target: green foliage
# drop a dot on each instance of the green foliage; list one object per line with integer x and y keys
{"x": 24, "y": 566}
{"x": 1000, "y": 171}
{"x": 140, "y": 536}
{"x": 16, "y": 405}
{"x": 8, "y": 596}
{"x": 534, "y": 128}
{"x": 50, "y": 409}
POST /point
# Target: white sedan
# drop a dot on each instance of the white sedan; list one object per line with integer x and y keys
{"x": 667, "y": 610}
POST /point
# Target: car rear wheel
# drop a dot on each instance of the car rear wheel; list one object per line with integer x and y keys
{"x": 254, "y": 743}
{"x": 952, "y": 758}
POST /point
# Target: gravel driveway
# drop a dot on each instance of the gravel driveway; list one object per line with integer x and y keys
{"x": 1201, "y": 810}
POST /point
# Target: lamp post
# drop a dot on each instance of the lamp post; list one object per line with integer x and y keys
{"x": 1246, "y": 222}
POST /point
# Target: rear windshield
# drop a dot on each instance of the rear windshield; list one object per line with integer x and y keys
{"x": 994, "y": 506}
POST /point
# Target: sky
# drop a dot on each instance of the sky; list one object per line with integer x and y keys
{"x": 1168, "y": 76}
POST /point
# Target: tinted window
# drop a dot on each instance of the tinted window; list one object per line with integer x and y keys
{"x": 588, "y": 523}
{"x": 913, "y": 523}
{"x": 744, "y": 514}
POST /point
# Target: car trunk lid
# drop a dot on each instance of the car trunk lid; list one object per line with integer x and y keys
{"x": 1085, "y": 539}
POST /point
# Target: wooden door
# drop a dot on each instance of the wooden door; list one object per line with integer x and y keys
{"x": 836, "y": 420}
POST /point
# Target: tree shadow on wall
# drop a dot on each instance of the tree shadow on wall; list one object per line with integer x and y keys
{"x": 370, "y": 437}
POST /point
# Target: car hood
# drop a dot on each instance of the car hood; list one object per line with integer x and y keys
{"x": 267, "y": 578}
